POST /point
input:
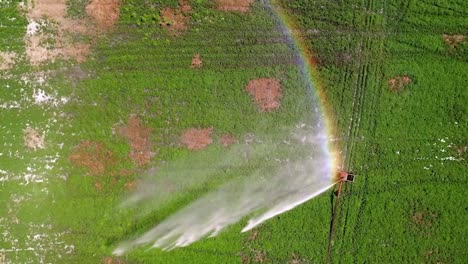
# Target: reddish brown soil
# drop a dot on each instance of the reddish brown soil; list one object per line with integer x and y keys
{"x": 196, "y": 61}
{"x": 94, "y": 156}
{"x": 265, "y": 92}
{"x": 138, "y": 138}
{"x": 424, "y": 219}
{"x": 253, "y": 235}
{"x": 112, "y": 260}
{"x": 44, "y": 47}
{"x": 226, "y": 140}
{"x": 175, "y": 20}
{"x": 104, "y": 12}
{"x": 233, "y": 5}
{"x": 453, "y": 40}
{"x": 99, "y": 161}
{"x": 196, "y": 139}
{"x": 397, "y": 83}
{"x": 185, "y": 7}
{"x": 129, "y": 186}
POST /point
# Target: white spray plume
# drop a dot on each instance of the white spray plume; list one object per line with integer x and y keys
{"x": 294, "y": 181}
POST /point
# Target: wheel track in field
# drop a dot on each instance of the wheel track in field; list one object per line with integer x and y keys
{"x": 377, "y": 71}
{"x": 361, "y": 85}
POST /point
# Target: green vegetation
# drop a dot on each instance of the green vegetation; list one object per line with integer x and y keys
{"x": 407, "y": 205}
{"x": 407, "y": 147}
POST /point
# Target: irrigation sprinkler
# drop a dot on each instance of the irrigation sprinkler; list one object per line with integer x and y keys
{"x": 342, "y": 177}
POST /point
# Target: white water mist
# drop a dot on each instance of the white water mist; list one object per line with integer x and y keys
{"x": 258, "y": 194}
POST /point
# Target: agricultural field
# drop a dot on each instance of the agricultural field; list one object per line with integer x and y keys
{"x": 96, "y": 97}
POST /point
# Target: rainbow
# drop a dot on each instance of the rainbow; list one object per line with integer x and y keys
{"x": 308, "y": 67}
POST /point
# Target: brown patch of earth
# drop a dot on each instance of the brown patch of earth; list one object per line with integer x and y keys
{"x": 296, "y": 259}
{"x": 255, "y": 256}
{"x": 32, "y": 139}
{"x": 50, "y": 31}
{"x": 197, "y": 139}
{"x": 397, "y": 83}
{"x": 175, "y": 20}
{"x": 259, "y": 256}
{"x": 7, "y": 60}
{"x": 233, "y": 5}
{"x": 94, "y": 156}
{"x": 453, "y": 40}
{"x": 112, "y": 260}
{"x": 226, "y": 140}
{"x": 44, "y": 46}
{"x": 265, "y": 92}
{"x": 196, "y": 61}
{"x": 253, "y": 235}
{"x": 424, "y": 219}
{"x": 104, "y": 12}
{"x": 98, "y": 161}
{"x": 138, "y": 137}
{"x": 129, "y": 186}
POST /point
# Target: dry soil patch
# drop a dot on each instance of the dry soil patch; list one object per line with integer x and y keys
{"x": 32, "y": 138}
{"x": 94, "y": 156}
{"x": 265, "y": 92}
{"x": 196, "y": 61}
{"x": 227, "y": 139}
{"x": 50, "y": 31}
{"x": 175, "y": 20}
{"x": 7, "y": 60}
{"x": 138, "y": 138}
{"x": 104, "y": 12}
{"x": 196, "y": 139}
{"x": 453, "y": 40}
{"x": 233, "y": 5}
{"x": 398, "y": 83}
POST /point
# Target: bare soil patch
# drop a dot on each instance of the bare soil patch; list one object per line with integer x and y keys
{"x": 104, "y": 12}
{"x": 398, "y": 83}
{"x": 196, "y": 61}
{"x": 265, "y": 92}
{"x": 424, "y": 221}
{"x": 297, "y": 259}
{"x": 138, "y": 137}
{"x": 453, "y": 40}
{"x": 253, "y": 235}
{"x": 50, "y": 31}
{"x": 233, "y": 5}
{"x": 7, "y": 60}
{"x": 32, "y": 138}
{"x": 226, "y": 140}
{"x": 175, "y": 20}
{"x": 99, "y": 161}
{"x": 197, "y": 139}
{"x": 94, "y": 156}
{"x": 112, "y": 260}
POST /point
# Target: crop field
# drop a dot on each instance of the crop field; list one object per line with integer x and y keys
{"x": 96, "y": 96}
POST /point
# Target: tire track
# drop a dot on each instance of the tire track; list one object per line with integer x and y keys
{"x": 361, "y": 88}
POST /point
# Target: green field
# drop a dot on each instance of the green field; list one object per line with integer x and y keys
{"x": 407, "y": 146}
